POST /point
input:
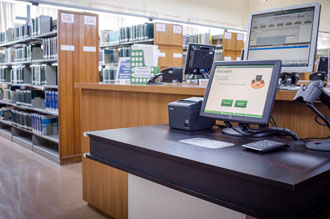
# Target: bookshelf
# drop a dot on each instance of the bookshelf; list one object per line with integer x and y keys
{"x": 39, "y": 98}
{"x": 168, "y": 37}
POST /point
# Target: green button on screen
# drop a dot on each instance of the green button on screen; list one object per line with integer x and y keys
{"x": 240, "y": 103}
{"x": 226, "y": 102}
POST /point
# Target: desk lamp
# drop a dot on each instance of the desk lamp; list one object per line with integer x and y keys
{"x": 308, "y": 95}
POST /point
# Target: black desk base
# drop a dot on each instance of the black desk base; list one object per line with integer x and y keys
{"x": 287, "y": 184}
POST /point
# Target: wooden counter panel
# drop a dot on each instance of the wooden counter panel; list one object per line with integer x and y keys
{"x": 117, "y": 109}
{"x": 105, "y": 188}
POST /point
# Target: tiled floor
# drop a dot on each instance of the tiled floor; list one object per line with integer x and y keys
{"x": 34, "y": 187}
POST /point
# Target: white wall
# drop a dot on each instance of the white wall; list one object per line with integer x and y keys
{"x": 230, "y": 14}
{"x": 257, "y": 5}
{"x": 226, "y": 13}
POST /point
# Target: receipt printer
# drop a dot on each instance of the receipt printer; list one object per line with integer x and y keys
{"x": 184, "y": 114}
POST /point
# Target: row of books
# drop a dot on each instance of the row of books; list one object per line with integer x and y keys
{"x": 23, "y": 97}
{"x": 19, "y": 32}
{"x": 137, "y": 32}
{"x": 4, "y": 75}
{"x": 5, "y": 113}
{"x": 124, "y": 51}
{"x": 24, "y": 53}
{"x": 108, "y": 75}
{"x": 33, "y": 27}
{"x": 203, "y": 38}
{"x": 44, "y": 74}
{"x": 49, "y": 46}
{"x": 51, "y": 101}
{"x": 108, "y": 56}
{"x": 5, "y": 94}
{"x": 21, "y": 119}
{"x": 20, "y": 75}
{"x": 109, "y": 37}
{"x": 44, "y": 124}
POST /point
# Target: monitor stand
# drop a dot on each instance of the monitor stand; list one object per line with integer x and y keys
{"x": 321, "y": 145}
{"x": 199, "y": 72}
{"x": 288, "y": 81}
{"x": 242, "y": 131}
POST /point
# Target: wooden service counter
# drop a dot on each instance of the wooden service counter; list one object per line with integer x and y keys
{"x": 121, "y": 106}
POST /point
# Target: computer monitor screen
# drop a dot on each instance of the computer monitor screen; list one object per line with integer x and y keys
{"x": 199, "y": 59}
{"x": 289, "y": 34}
{"x": 241, "y": 91}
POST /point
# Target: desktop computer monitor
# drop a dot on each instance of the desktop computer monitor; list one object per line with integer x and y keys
{"x": 288, "y": 33}
{"x": 241, "y": 91}
{"x": 199, "y": 59}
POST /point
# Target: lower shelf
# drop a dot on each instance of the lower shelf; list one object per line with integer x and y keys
{"x": 47, "y": 152}
{"x": 23, "y": 141}
{"x": 6, "y": 133}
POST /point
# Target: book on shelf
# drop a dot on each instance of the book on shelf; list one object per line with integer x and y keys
{"x": 23, "y": 97}
{"x": 21, "y": 119}
{"x": 203, "y": 38}
{"x": 41, "y": 25}
{"x": 51, "y": 101}
{"x": 137, "y": 32}
{"x": 108, "y": 74}
{"x": 5, "y": 94}
{"x": 124, "y": 51}
{"x": 108, "y": 37}
{"x": 44, "y": 74}
{"x": 108, "y": 56}
{"x": 49, "y": 46}
{"x": 20, "y": 74}
{"x": 44, "y": 124}
{"x": 4, "y": 74}
{"x": 5, "y": 113}
{"x": 34, "y": 52}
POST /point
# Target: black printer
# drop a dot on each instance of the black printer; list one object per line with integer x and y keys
{"x": 184, "y": 114}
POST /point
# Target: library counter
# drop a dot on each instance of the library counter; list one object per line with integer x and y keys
{"x": 291, "y": 183}
{"x": 109, "y": 106}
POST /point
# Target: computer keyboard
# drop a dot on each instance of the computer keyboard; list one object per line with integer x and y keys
{"x": 264, "y": 145}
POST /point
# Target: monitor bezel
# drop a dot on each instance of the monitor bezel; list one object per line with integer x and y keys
{"x": 269, "y": 100}
{"x": 188, "y": 55}
{"x": 316, "y": 22}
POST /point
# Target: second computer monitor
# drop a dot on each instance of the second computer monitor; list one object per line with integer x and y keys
{"x": 289, "y": 34}
{"x": 241, "y": 91}
{"x": 199, "y": 59}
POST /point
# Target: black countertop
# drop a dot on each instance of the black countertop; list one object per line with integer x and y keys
{"x": 233, "y": 177}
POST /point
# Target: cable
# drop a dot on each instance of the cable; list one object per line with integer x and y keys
{"x": 273, "y": 120}
{"x": 318, "y": 122}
